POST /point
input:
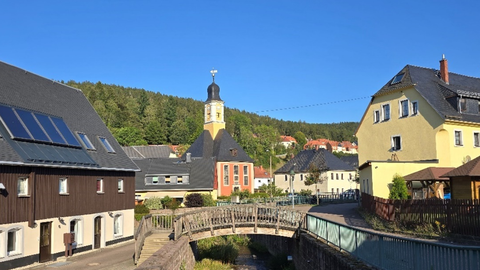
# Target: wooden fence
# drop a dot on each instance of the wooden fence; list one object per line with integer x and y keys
{"x": 452, "y": 216}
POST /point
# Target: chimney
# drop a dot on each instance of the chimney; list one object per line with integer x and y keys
{"x": 444, "y": 69}
{"x": 189, "y": 158}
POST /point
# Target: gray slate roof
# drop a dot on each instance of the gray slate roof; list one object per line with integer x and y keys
{"x": 25, "y": 90}
{"x": 321, "y": 158}
{"x": 148, "y": 151}
{"x": 351, "y": 160}
{"x": 201, "y": 172}
{"x": 221, "y": 148}
{"x": 429, "y": 84}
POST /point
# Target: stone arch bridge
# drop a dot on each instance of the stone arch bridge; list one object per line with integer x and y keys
{"x": 238, "y": 219}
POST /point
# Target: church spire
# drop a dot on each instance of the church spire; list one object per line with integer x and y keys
{"x": 214, "y": 109}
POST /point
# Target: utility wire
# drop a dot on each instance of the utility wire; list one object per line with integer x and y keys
{"x": 313, "y": 105}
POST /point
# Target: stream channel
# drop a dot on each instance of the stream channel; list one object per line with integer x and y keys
{"x": 248, "y": 260}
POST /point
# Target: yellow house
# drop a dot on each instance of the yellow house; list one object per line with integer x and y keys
{"x": 421, "y": 118}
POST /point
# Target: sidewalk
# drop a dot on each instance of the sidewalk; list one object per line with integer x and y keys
{"x": 114, "y": 257}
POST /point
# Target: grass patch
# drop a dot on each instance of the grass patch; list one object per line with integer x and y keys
{"x": 425, "y": 230}
{"x": 209, "y": 264}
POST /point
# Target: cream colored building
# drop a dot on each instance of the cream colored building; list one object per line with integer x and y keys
{"x": 337, "y": 176}
{"x": 421, "y": 118}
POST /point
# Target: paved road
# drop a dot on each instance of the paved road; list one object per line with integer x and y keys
{"x": 345, "y": 213}
{"x": 115, "y": 257}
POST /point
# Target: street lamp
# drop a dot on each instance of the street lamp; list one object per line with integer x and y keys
{"x": 292, "y": 175}
{"x": 271, "y": 175}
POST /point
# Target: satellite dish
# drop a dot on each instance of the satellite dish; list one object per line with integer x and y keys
{"x": 468, "y": 158}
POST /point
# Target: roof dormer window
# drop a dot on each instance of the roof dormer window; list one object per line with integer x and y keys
{"x": 398, "y": 78}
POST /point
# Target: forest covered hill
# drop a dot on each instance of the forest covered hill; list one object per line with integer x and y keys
{"x": 138, "y": 117}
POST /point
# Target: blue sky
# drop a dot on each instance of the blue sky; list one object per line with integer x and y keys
{"x": 270, "y": 55}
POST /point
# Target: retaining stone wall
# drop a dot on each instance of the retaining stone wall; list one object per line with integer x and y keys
{"x": 174, "y": 255}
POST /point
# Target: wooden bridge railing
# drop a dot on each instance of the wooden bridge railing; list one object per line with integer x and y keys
{"x": 148, "y": 224}
{"x": 233, "y": 217}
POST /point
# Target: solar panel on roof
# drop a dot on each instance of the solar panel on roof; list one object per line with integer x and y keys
{"x": 67, "y": 134}
{"x": 50, "y": 128}
{"x": 32, "y": 125}
{"x": 13, "y": 124}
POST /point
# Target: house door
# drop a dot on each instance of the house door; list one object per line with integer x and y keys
{"x": 98, "y": 232}
{"x": 45, "y": 242}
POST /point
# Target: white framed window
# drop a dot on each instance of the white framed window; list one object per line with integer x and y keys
{"x": 63, "y": 186}
{"x": 14, "y": 241}
{"x": 286, "y": 178}
{"x": 106, "y": 144}
{"x": 458, "y": 138}
{"x": 85, "y": 141}
{"x": 476, "y": 139}
{"x": 396, "y": 143}
{"x": 245, "y": 175}
{"x": 76, "y": 227}
{"x": 22, "y": 186}
{"x": 414, "y": 107}
{"x": 403, "y": 106}
{"x": 226, "y": 175}
{"x": 235, "y": 175}
{"x": 376, "y": 116}
{"x": 120, "y": 185}
{"x": 99, "y": 185}
{"x": 331, "y": 176}
{"x": 386, "y": 112}
{"x": 118, "y": 225}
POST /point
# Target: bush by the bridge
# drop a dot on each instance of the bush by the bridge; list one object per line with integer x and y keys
{"x": 194, "y": 200}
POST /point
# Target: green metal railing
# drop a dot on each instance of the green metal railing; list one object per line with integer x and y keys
{"x": 391, "y": 252}
{"x": 279, "y": 201}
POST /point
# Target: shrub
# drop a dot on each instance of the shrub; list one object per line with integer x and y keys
{"x": 141, "y": 209}
{"x": 153, "y": 203}
{"x": 305, "y": 192}
{"x": 218, "y": 248}
{"x": 399, "y": 189}
{"x": 244, "y": 194}
{"x": 194, "y": 200}
{"x": 208, "y": 200}
{"x": 166, "y": 201}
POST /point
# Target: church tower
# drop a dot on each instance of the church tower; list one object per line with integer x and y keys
{"x": 214, "y": 110}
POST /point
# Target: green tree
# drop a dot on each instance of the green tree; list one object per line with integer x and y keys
{"x": 314, "y": 177}
{"x": 301, "y": 138}
{"x": 399, "y": 189}
{"x": 271, "y": 190}
{"x": 179, "y": 132}
{"x": 129, "y": 136}
{"x": 155, "y": 133}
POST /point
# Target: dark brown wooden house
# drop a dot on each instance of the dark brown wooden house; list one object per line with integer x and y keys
{"x": 465, "y": 180}
{"x": 61, "y": 171}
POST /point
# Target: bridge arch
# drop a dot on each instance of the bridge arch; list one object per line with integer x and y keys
{"x": 239, "y": 219}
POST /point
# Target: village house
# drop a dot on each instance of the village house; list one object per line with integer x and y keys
{"x": 288, "y": 141}
{"x": 61, "y": 171}
{"x": 421, "y": 118}
{"x": 163, "y": 174}
{"x": 262, "y": 177}
{"x": 337, "y": 176}
{"x": 233, "y": 168}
